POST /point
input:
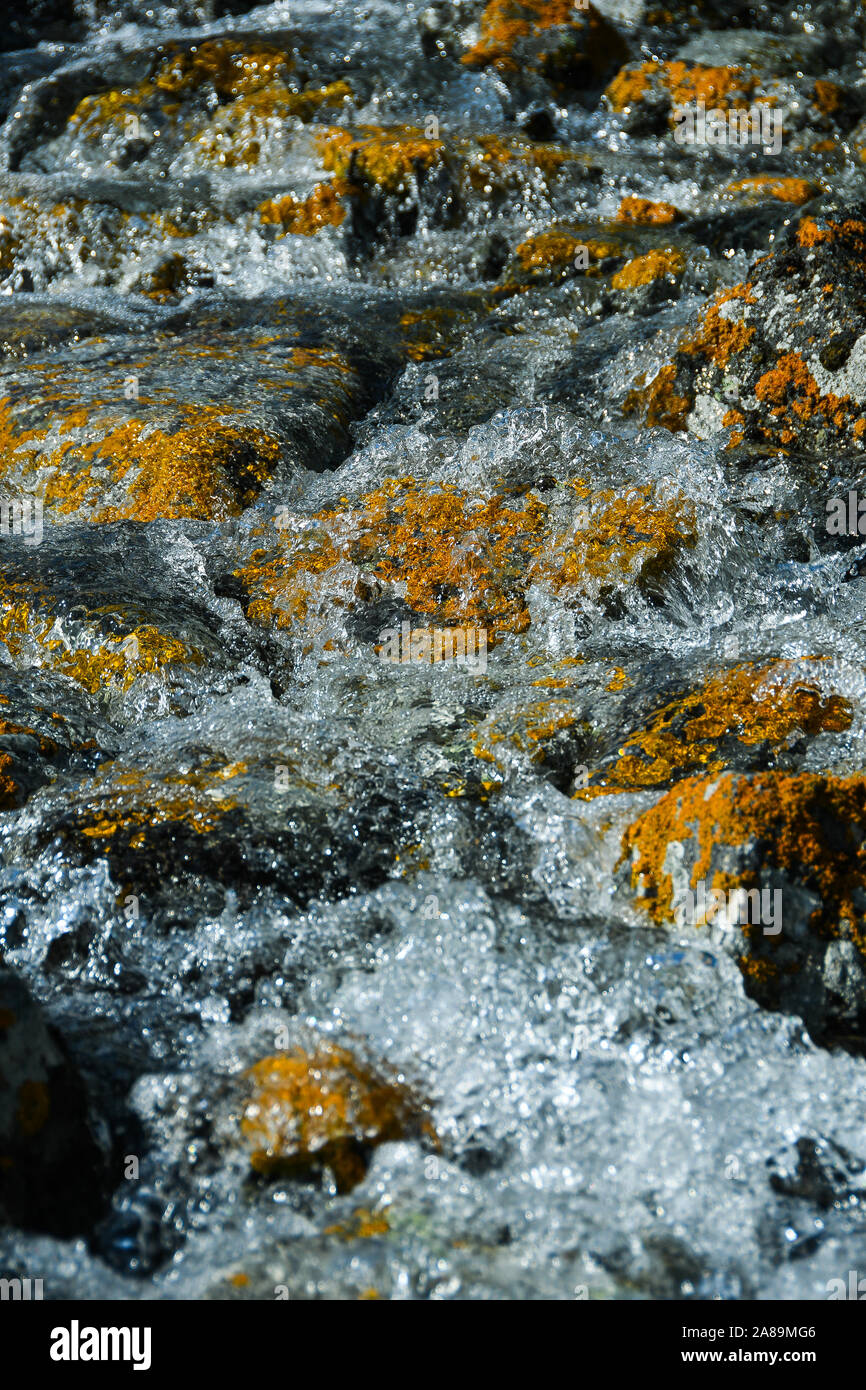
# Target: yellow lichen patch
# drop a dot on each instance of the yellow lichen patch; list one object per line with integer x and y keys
{"x": 659, "y": 401}
{"x": 812, "y": 232}
{"x": 632, "y": 536}
{"x": 387, "y": 157}
{"x": 527, "y": 728}
{"x": 304, "y": 218}
{"x": 458, "y": 556}
{"x": 465, "y": 558}
{"x": 168, "y": 279}
{"x": 325, "y": 1109}
{"x": 361, "y": 1225}
{"x": 557, "y": 250}
{"x": 754, "y": 705}
{"x": 807, "y": 824}
{"x": 205, "y": 470}
{"x": 792, "y": 396}
{"x": 9, "y": 790}
{"x": 827, "y": 96}
{"x": 222, "y": 64}
{"x": 430, "y": 332}
{"x": 503, "y": 22}
{"x": 722, "y": 88}
{"x": 131, "y": 803}
{"x": 646, "y": 213}
{"x": 251, "y": 93}
{"x": 642, "y": 270}
{"x": 786, "y": 190}
{"x": 113, "y": 657}
{"x": 723, "y": 331}
{"x": 630, "y": 86}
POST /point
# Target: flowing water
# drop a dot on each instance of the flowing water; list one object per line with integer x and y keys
{"x": 330, "y": 333}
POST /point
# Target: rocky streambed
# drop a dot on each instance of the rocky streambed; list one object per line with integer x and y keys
{"x": 432, "y": 674}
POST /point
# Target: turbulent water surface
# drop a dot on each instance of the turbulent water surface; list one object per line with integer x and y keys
{"x": 432, "y": 675}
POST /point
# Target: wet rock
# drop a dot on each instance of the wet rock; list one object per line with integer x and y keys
{"x": 40, "y": 21}
{"x": 752, "y": 361}
{"x": 746, "y": 717}
{"x": 52, "y": 1169}
{"x": 771, "y": 866}
{"x": 306, "y": 1112}
{"x": 530, "y": 44}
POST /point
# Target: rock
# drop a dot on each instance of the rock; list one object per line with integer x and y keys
{"x": 780, "y": 352}
{"x": 52, "y": 1169}
{"x": 531, "y": 43}
{"x": 783, "y": 855}
{"x": 306, "y": 1112}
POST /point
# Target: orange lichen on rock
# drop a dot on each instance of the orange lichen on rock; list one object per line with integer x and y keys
{"x": 631, "y": 536}
{"x": 789, "y": 389}
{"x": 810, "y": 232}
{"x": 630, "y": 86}
{"x": 806, "y": 824}
{"x": 659, "y": 402}
{"x": 646, "y": 213}
{"x": 306, "y": 217}
{"x": 324, "y": 1109}
{"x": 222, "y": 64}
{"x": 457, "y": 556}
{"x": 642, "y": 270}
{"x": 786, "y": 190}
{"x": 556, "y": 250}
{"x": 827, "y": 96}
{"x": 720, "y": 87}
{"x": 504, "y": 22}
{"x": 130, "y": 804}
{"x": 112, "y": 657}
{"x": 756, "y": 706}
{"x": 721, "y": 334}
{"x": 10, "y": 792}
{"x": 387, "y": 157}
{"x": 205, "y": 470}
{"x": 466, "y": 558}
{"x": 528, "y": 728}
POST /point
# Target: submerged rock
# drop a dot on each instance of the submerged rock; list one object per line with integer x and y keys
{"x": 52, "y": 1169}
